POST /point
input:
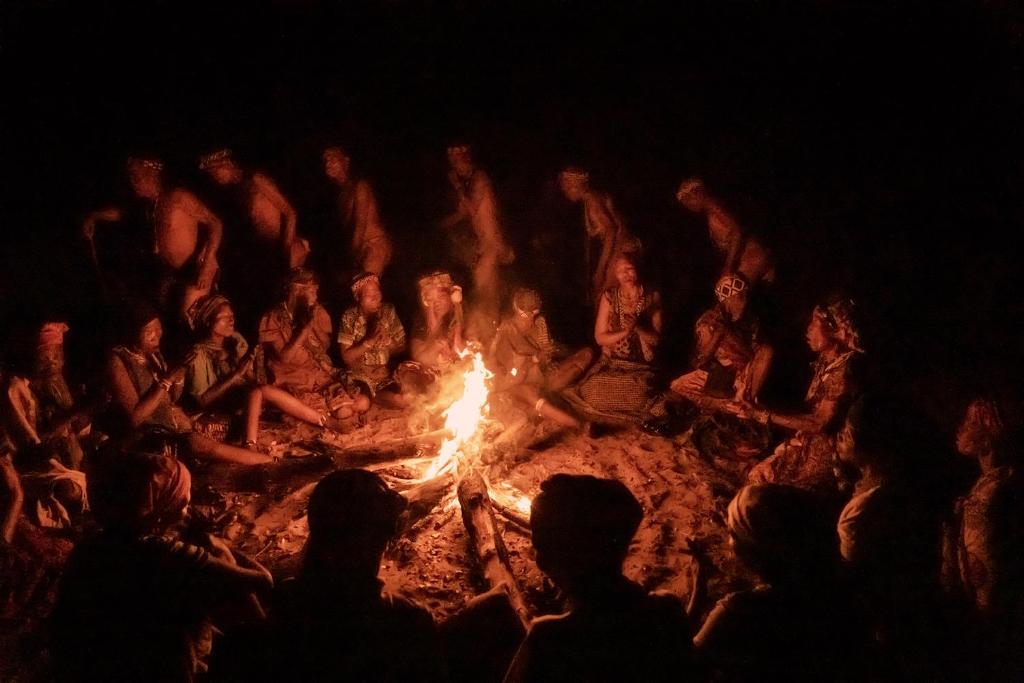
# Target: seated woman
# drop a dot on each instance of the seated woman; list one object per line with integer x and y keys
{"x": 805, "y": 460}
{"x": 525, "y": 359}
{"x": 145, "y": 391}
{"x": 222, "y": 373}
{"x": 369, "y": 334}
{"x": 45, "y": 425}
{"x": 437, "y": 337}
{"x": 730, "y": 359}
{"x": 296, "y": 335}
{"x": 628, "y": 329}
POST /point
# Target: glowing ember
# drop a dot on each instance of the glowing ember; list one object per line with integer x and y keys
{"x": 463, "y": 418}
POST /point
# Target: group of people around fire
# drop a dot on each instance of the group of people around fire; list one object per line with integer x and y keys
{"x": 858, "y": 576}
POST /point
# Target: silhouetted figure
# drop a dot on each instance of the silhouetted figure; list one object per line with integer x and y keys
{"x": 795, "y": 625}
{"x": 136, "y": 601}
{"x": 890, "y": 543}
{"x": 332, "y": 622}
{"x": 614, "y": 630}
{"x": 983, "y": 566}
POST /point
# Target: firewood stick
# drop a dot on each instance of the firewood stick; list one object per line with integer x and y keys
{"x": 478, "y": 516}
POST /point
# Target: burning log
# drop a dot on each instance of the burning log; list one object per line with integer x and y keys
{"x": 478, "y": 516}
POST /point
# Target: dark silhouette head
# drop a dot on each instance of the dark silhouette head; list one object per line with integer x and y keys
{"x": 140, "y": 493}
{"x": 582, "y": 527}
{"x": 352, "y": 517}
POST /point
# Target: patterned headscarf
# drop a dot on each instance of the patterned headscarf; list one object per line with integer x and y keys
{"x": 201, "y": 313}
{"x": 689, "y": 186}
{"x": 361, "y": 280}
{"x": 838, "y": 315}
{"x": 51, "y": 334}
{"x": 438, "y": 278}
{"x": 221, "y": 156}
{"x": 526, "y": 301}
{"x": 574, "y": 174}
{"x": 145, "y": 163}
{"x": 302, "y": 276}
{"x": 729, "y": 286}
{"x": 459, "y": 151}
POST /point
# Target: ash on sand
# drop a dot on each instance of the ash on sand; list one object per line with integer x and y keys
{"x": 683, "y": 497}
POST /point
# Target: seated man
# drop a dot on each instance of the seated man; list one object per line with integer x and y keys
{"x": 145, "y": 393}
{"x": 523, "y": 356}
{"x": 369, "y": 334}
{"x": 296, "y": 335}
{"x": 614, "y": 630}
{"x": 136, "y": 599}
{"x": 45, "y": 425}
{"x": 332, "y": 622}
{"x": 223, "y": 373}
{"x": 730, "y": 359}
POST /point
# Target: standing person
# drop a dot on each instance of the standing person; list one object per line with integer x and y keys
{"x": 137, "y": 600}
{"x": 741, "y": 253}
{"x": 177, "y": 259}
{"x": 296, "y": 336}
{"x": 260, "y": 244}
{"x": 604, "y": 226}
{"x": 358, "y": 214}
{"x": 983, "y": 566}
{"x": 805, "y": 460}
{"x": 145, "y": 392}
{"x": 614, "y": 630}
{"x": 369, "y": 335}
{"x": 477, "y": 204}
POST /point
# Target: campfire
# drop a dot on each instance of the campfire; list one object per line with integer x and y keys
{"x": 456, "y": 477}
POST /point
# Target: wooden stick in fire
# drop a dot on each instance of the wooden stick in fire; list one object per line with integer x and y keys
{"x": 478, "y": 516}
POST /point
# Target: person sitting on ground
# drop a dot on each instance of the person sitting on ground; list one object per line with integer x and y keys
{"x": 223, "y": 373}
{"x": 296, "y": 336}
{"x": 741, "y": 252}
{"x": 526, "y": 360}
{"x": 145, "y": 393}
{"x": 787, "y": 538}
{"x": 332, "y": 621}
{"x": 614, "y": 630}
{"x": 983, "y": 568}
{"x": 888, "y": 540}
{"x": 136, "y": 599}
{"x": 45, "y": 426}
{"x": 628, "y": 329}
{"x": 730, "y": 358}
{"x": 603, "y": 224}
{"x": 437, "y": 338}
{"x": 805, "y": 460}
{"x": 369, "y": 334}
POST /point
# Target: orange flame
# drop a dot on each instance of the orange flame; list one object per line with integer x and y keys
{"x": 463, "y": 417}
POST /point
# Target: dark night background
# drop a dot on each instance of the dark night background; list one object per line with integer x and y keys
{"x": 874, "y": 145}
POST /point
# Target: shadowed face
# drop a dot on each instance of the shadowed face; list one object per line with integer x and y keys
{"x": 625, "y": 273}
{"x": 336, "y": 165}
{"x": 818, "y": 337}
{"x": 975, "y": 435}
{"x": 846, "y": 444}
{"x": 304, "y": 295}
{"x": 145, "y": 181}
{"x": 50, "y": 360}
{"x": 370, "y": 298}
{"x": 572, "y": 188}
{"x": 223, "y": 173}
{"x": 437, "y": 299}
{"x": 223, "y": 322}
{"x": 692, "y": 199}
{"x": 150, "y": 335}
{"x": 462, "y": 163}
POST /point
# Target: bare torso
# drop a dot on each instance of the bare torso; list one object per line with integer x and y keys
{"x": 754, "y": 261}
{"x": 176, "y": 228}
{"x": 266, "y": 218}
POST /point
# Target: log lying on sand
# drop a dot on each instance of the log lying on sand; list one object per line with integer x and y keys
{"x": 478, "y": 516}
